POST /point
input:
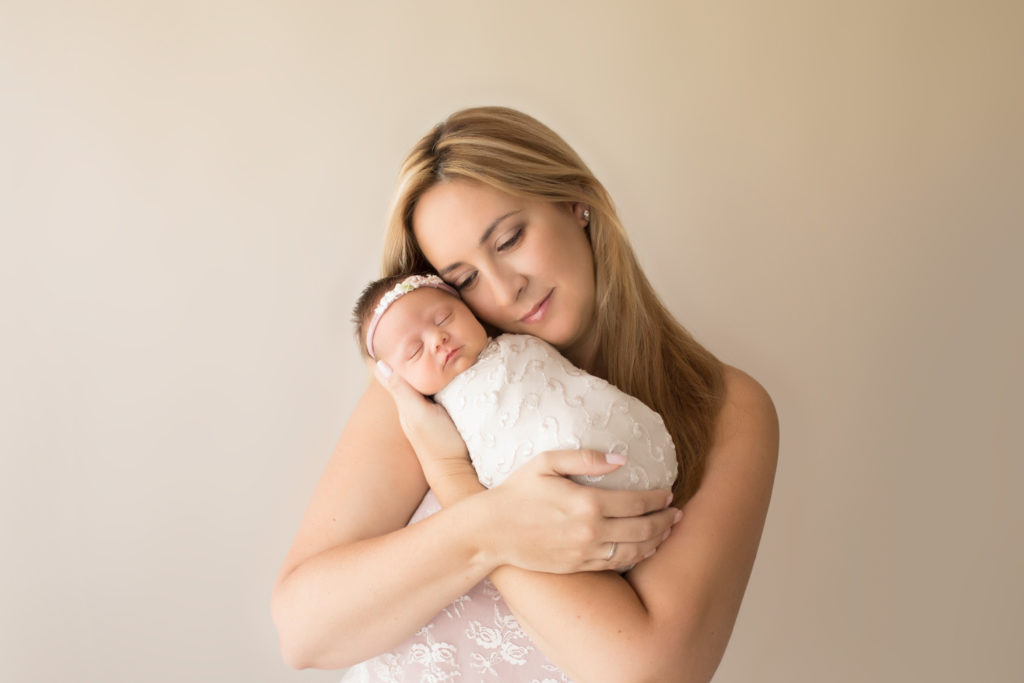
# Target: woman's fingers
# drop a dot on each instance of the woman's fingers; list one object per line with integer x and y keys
{"x": 631, "y": 538}
{"x": 619, "y": 503}
{"x": 624, "y": 555}
{"x": 579, "y": 462}
{"x": 405, "y": 396}
{"x": 610, "y": 502}
{"x": 415, "y": 410}
{"x": 636, "y": 539}
{"x": 649, "y": 528}
{"x": 618, "y": 555}
{"x": 565, "y": 527}
{"x": 426, "y": 424}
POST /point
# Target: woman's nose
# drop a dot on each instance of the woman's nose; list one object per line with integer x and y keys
{"x": 506, "y": 288}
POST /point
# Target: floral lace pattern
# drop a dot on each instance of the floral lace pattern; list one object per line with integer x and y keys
{"x": 474, "y": 639}
{"x": 522, "y": 398}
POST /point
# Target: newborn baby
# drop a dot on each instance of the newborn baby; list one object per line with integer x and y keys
{"x": 510, "y": 397}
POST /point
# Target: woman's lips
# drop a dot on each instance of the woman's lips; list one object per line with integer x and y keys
{"x": 537, "y": 312}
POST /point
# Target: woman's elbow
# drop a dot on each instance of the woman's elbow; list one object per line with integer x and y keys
{"x": 293, "y": 657}
{"x": 299, "y": 652}
{"x": 675, "y": 670}
{"x": 690, "y": 658}
{"x": 292, "y": 651}
{"x": 292, "y": 638}
{"x": 299, "y": 655}
{"x": 300, "y": 647}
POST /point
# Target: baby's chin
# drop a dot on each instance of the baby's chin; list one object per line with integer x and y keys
{"x": 455, "y": 368}
{"x": 432, "y": 389}
{"x": 426, "y": 390}
{"x": 460, "y": 365}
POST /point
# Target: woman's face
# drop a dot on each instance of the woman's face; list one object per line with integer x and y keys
{"x": 524, "y": 266}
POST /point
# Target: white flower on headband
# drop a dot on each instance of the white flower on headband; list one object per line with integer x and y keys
{"x": 407, "y": 285}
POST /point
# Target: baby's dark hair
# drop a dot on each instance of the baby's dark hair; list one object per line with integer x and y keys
{"x": 362, "y": 314}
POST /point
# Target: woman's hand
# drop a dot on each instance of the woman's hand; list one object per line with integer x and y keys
{"x": 543, "y": 521}
{"x": 432, "y": 434}
{"x": 551, "y": 524}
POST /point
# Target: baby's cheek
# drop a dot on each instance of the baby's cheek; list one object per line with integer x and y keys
{"x": 428, "y": 384}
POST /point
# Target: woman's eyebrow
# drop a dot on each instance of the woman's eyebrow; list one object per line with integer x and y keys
{"x": 483, "y": 239}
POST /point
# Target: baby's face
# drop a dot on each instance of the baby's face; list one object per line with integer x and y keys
{"x": 428, "y": 337}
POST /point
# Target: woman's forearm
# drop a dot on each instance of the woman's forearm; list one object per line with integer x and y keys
{"x": 353, "y": 601}
{"x": 593, "y": 625}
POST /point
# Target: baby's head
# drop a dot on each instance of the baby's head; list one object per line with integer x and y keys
{"x": 419, "y": 326}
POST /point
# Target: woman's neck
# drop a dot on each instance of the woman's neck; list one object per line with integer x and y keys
{"x": 586, "y": 355}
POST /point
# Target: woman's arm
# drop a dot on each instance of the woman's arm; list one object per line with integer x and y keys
{"x": 670, "y": 618}
{"x": 356, "y": 581}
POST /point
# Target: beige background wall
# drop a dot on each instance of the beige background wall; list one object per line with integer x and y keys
{"x": 827, "y": 194}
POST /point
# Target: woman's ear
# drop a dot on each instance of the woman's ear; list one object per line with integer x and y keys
{"x": 582, "y": 214}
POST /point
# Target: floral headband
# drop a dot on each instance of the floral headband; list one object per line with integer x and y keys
{"x": 409, "y": 284}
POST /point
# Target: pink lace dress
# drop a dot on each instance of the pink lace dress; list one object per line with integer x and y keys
{"x": 475, "y": 638}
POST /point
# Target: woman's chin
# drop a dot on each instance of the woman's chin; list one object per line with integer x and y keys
{"x": 557, "y": 338}
{"x": 559, "y": 333}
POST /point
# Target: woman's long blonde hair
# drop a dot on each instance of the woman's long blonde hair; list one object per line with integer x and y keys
{"x": 645, "y": 352}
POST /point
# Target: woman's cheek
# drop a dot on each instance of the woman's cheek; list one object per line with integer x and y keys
{"x": 491, "y": 316}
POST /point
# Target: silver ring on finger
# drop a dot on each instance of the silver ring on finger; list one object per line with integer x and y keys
{"x": 611, "y": 551}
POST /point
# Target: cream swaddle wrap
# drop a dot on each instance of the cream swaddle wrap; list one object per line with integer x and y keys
{"x": 522, "y": 397}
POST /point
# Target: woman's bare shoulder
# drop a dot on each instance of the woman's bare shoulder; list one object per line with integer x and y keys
{"x": 746, "y": 390}
{"x": 747, "y": 411}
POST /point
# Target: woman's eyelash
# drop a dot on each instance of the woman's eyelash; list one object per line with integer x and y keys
{"x": 511, "y": 241}
{"x": 507, "y": 244}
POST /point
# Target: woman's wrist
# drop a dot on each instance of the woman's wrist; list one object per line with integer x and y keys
{"x": 475, "y": 503}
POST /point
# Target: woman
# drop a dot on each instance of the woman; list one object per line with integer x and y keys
{"x": 507, "y": 213}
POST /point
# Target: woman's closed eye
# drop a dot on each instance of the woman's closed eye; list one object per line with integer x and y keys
{"x": 514, "y": 239}
{"x": 511, "y": 241}
{"x": 466, "y": 282}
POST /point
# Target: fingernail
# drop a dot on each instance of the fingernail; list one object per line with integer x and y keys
{"x": 669, "y": 501}
{"x": 665, "y": 535}
{"x": 384, "y": 368}
{"x": 649, "y": 553}
{"x": 615, "y": 459}
{"x": 679, "y": 516}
